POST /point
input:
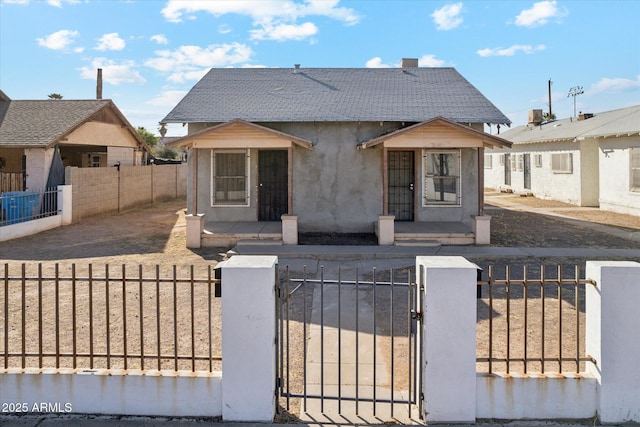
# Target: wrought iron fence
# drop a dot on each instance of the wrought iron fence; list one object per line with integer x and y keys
{"x": 109, "y": 318}
{"x": 531, "y": 321}
{"x": 21, "y": 206}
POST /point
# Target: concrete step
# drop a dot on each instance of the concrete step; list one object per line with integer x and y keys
{"x": 260, "y": 242}
{"x": 417, "y": 242}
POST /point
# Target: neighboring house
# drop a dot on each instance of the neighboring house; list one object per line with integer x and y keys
{"x": 591, "y": 160}
{"x": 88, "y": 133}
{"x": 398, "y": 151}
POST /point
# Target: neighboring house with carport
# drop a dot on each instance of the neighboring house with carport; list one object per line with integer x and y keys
{"x": 274, "y": 152}
{"x": 591, "y": 160}
{"x": 88, "y": 133}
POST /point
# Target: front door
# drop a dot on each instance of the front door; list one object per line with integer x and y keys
{"x": 507, "y": 169}
{"x": 273, "y": 188}
{"x": 527, "y": 171}
{"x": 401, "y": 176}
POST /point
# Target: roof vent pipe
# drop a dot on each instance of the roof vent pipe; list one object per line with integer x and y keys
{"x": 99, "y": 84}
{"x": 297, "y": 69}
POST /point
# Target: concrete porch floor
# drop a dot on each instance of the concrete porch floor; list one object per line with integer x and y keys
{"x": 229, "y": 234}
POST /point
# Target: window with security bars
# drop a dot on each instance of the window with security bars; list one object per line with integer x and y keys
{"x": 562, "y": 162}
{"x": 229, "y": 178}
{"x": 441, "y": 177}
{"x": 634, "y": 177}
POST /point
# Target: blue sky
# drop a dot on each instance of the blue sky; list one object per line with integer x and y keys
{"x": 153, "y": 51}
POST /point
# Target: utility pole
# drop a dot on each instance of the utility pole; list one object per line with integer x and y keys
{"x": 575, "y": 91}
{"x": 550, "y": 113}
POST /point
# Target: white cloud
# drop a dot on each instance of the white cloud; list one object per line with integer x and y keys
{"x": 273, "y": 19}
{"x": 168, "y": 98}
{"x": 111, "y": 41}
{"x": 59, "y": 40}
{"x": 616, "y": 85}
{"x": 113, "y": 72}
{"x": 159, "y": 38}
{"x": 448, "y": 17}
{"x": 430, "y": 61}
{"x": 284, "y": 32}
{"x": 58, "y": 3}
{"x": 510, "y": 51}
{"x": 191, "y": 62}
{"x": 376, "y": 63}
{"x": 540, "y": 14}
{"x": 224, "y": 29}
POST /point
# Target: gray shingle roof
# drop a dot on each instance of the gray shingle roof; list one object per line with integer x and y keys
{"x": 334, "y": 94}
{"x": 621, "y": 122}
{"x": 42, "y": 122}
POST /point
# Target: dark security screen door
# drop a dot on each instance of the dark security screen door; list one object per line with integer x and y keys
{"x": 527, "y": 171}
{"x": 401, "y": 182}
{"x": 273, "y": 185}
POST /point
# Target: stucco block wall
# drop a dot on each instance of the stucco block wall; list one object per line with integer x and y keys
{"x": 120, "y": 154}
{"x": 135, "y": 186}
{"x": 95, "y": 190}
{"x": 98, "y": 191}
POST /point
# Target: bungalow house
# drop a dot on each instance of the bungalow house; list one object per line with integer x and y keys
{"x": 590, "y": 160}
{"x": 88, "y": 133}
{"x": 341, "y": 150}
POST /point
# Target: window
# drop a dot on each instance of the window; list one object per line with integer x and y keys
{"x": 501, "y": 159}
{"x": 520, "y": 162}
{"x": 488, "y": 161}
{"x": 512, "y": 159}
{"x": 230, "y": 180}
{"x": 441, "y": 177}
{"x": 634, "y": 176}
{"x": 562, "y": 162}
{"x": 538, "y": 160}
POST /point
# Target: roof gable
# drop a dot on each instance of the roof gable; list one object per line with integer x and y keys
{"x": 334, "y": 95}
{"x": 42, "y": 123}
{"x": 483, "y": 139}
{"x": 238, "y": 125}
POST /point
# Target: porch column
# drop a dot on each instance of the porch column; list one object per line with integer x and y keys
{"x": 385, "y": 229}
{"x": 289, "y": 229}
{"x": 195, "y": 227}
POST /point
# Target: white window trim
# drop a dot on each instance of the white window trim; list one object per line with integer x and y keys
{"x": 537, "y": 159}
{"x": 213, "y": 175}
{"x": 488, "y": 161}
{"x": 558, "y": 171}
{"x": 459, "y": 180}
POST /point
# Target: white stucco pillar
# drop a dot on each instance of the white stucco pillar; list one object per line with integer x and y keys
{"x": 385, "y": 229}
{"x": 449, "y": 338}
{"x": 65, "y": 203}
{"x": 248, "y": 338}
{"x": 289, "y": 229}
{"x": 38, "y": 165}
{"x": 195, "y": 227}
{"x": 482, "y": 229}
{"x": 612, "y": 337}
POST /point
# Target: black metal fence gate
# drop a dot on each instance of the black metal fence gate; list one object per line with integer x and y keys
{"x": 349, "y": 344}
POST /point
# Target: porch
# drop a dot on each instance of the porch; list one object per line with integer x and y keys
{"x": 423, "y": 234}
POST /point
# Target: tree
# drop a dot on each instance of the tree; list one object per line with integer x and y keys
{"x": 54, "y": 96}
{"x": 150, "y": 139}
{"x": 166, "y": 153}
{"x": 548, "y": 117}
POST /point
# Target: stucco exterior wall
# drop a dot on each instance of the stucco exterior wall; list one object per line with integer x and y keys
{"x": 615, "y": 193}
{"x": 120, "y": 154}
{"x": 336, "y": 186}
{"x": 38, "y": 165}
